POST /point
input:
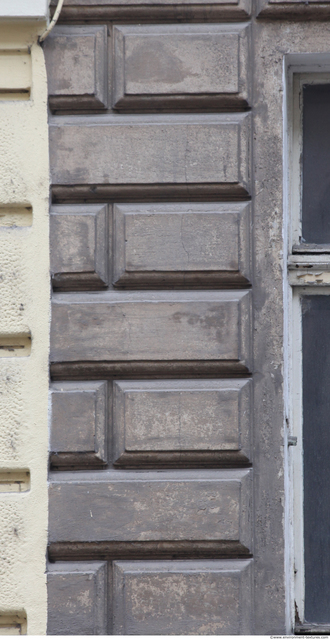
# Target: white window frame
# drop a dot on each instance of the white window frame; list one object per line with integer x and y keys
{"x": 303, "y": 279}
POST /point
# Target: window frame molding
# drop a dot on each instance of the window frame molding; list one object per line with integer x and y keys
{"x": 307, "y": 274}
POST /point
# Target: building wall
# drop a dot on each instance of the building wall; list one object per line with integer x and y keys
{"x": 24, "y": 314}
{"x": 25, "y": 304}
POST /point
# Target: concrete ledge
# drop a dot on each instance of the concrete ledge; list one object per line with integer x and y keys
{"x": 29, "y": 9}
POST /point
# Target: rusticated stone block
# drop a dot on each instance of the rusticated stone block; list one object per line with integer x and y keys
{"x": 185, "y": 66}
{"x": 76, "y": 61}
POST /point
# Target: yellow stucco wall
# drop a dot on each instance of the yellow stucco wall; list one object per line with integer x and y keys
{"x": 24, "y": 312}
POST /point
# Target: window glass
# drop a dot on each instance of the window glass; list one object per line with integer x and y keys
{"x": 316, "y": 446}
{"x": 316, "y": 164}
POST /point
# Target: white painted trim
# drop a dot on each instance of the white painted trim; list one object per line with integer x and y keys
{"x": 288, "y": 549}
{"x": 296, "y": 453}
{"x": 299, "y": 69}
{"x": 28, "y": 9}
{"x": 296, "y": 456}
{"x": 295, "y": 146}
{"x": 297, "y": 81}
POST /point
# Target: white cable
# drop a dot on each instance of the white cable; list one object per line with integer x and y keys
{"x": 53, "y": 21}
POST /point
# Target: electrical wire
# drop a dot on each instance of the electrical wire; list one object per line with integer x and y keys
{"x": 53, "y": 21}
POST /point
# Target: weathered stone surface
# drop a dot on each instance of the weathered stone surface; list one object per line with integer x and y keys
{"x": 79, "y": 424}
{"x": 172, "y": 154}
{"x": 153, "y": 326}
{"x": 76, "y": 61}
{"x": 180, "y": 416}
{"x": 181, "y": 66}
{"x": 181, "y": 244}
{"x": 148, "y": 506}
{"x": 79, "y": 246}
{"x": 77, "y": 595}
{"x": 189, "y": 597}
{"x": 291, "y": 9}
{"x": 157, "y": 9}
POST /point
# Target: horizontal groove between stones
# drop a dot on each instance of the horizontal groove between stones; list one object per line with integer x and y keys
{"x": 85, "y": 370}
{"x": 77, "y": 193}
{"x": 155, "y": 550}
{"x": 148, "y": 13}
{"x": 153, "y": 460}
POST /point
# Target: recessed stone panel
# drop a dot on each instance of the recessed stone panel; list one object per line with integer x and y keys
{"x": 120, "y": 506}
{"x": 181, "y": 66}
{"x": 182, "y": 244}
{"x": 79, "y": 424}
{"x": 76, "y": 61}
{"x": 77, "y": 598}
{"x": 169, "y": 154}
{"x": 79, "y": 247}
{"x": 154, "y": 326}
{"x": 159, "y": 421}
{"x": 189, "y": 597}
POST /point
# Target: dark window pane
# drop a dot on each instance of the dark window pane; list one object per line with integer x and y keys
{"x": 316, "y": 442}
{"x": 316, "y": 164}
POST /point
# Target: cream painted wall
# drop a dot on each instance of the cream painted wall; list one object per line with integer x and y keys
{"x": 24, "y": 310}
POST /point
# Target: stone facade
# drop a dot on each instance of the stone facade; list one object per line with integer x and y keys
{"x": 173, "y": 388}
